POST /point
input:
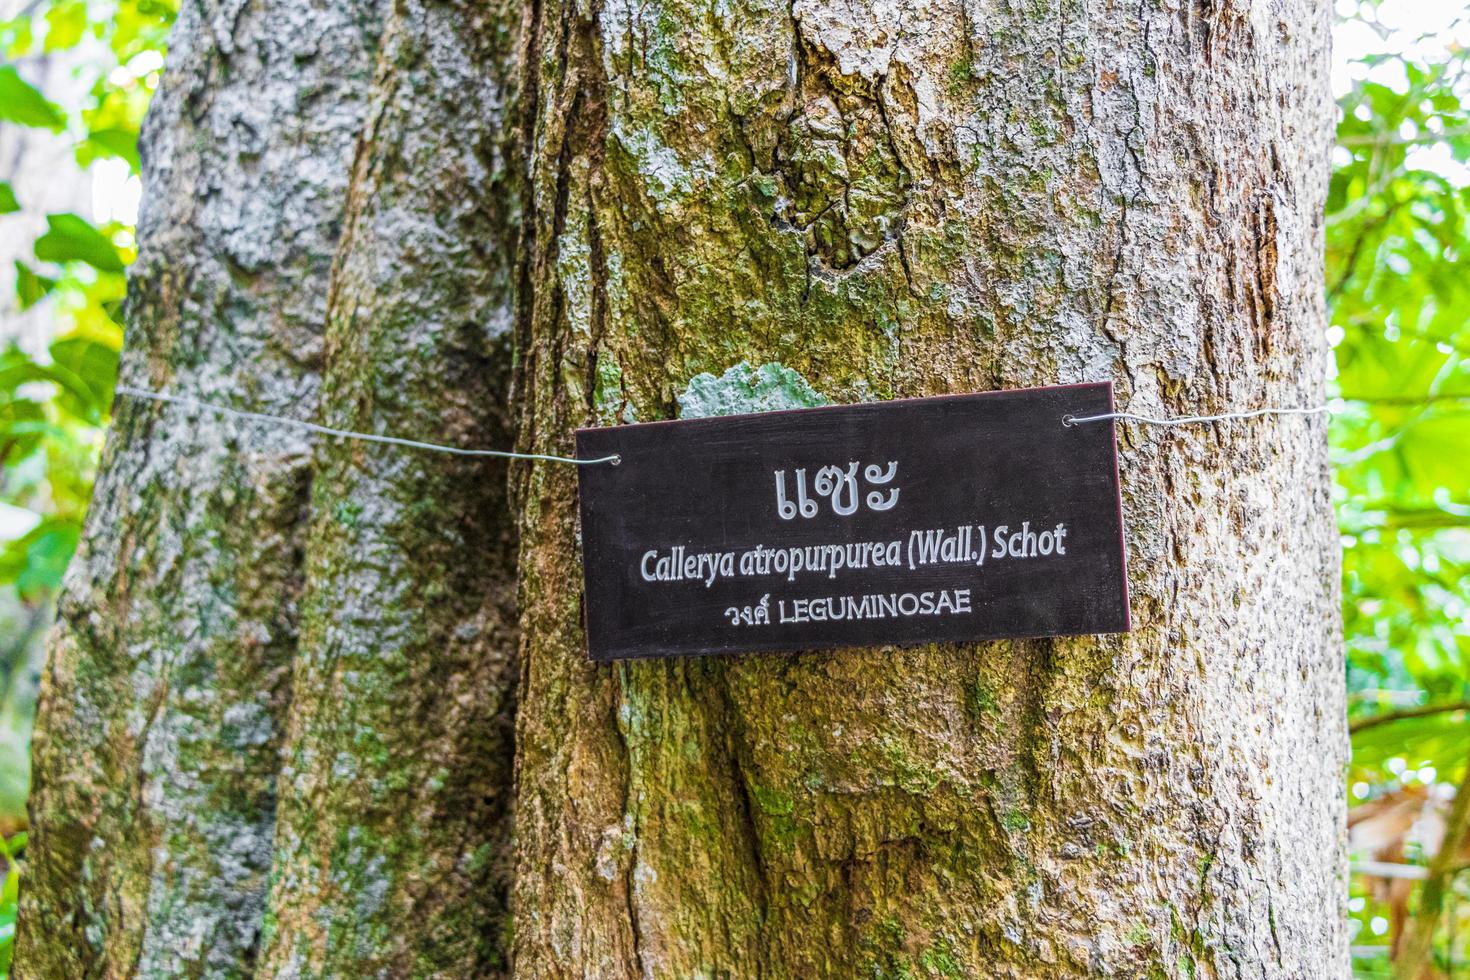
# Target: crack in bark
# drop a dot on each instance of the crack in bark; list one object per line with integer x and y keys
{"x": 631, "y": 814}
{"x": 1128, "y": 202}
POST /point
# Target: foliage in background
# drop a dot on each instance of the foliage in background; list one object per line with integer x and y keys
{"x": 54, "y": 401}
{"x": 1397, "y": 241}
{"x": 1399, "y": 297}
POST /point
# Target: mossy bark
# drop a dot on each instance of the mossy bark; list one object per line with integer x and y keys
{"x": 276, "y": 727}
{"x": 163, "y": 703}
{"x": 392, "y": 834}
{"x": 902, "y": 199}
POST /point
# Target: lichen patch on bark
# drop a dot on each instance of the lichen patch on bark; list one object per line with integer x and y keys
{"x": 742, "y": 388}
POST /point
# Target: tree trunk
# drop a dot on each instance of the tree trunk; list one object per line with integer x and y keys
{"x": 162, "y": 706}
{"x": 392, "y": 835}
{"x": 275, "y": 734}
{"x": 277, "y": 724}
{"x": 909, "y": 199}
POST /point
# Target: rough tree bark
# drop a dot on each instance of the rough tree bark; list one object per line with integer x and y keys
{"x": 893, "y": 199}
{"x": 162, "y": 707}
{"x": 275, "y": 730}
{"x": 392, "y": 835}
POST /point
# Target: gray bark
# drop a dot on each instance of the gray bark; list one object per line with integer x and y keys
{"x": 392, "y": 837}
{"x": 162, "y": 708}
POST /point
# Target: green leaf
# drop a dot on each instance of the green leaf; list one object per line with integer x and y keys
{"x": 7, "y": 946}
{"x": 66, "y": 22}
{"x": 30, "y": 288}
{"x": 8, "y": 203}
{"x": 112, "y": 142}
{"x": 38, "y": 560}
{"x": 70, "y": 238}
{"x": 21, "y": 103}
{"x": 23, "y": 425}
{"x": 91, "y": 369}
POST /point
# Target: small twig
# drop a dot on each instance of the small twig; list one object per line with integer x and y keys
{"x": 1389, "y": 717}
{"x": 1394, "y": 139}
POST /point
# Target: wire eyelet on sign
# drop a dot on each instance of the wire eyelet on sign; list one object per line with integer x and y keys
{"x": 1067, "y": 422}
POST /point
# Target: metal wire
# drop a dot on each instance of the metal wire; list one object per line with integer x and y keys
{"x": 1071, "y": 420}
{"x": 159, "y": 396}
{"x": 1067, "y": 420}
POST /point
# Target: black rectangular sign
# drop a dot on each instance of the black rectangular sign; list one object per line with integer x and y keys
{"x": 963, "y": 517}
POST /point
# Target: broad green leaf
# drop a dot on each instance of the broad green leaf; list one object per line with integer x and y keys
{"x": 21, "y": 103}
{"x": 8, "y": 203}
{"x": 18, "y": 368}
{"x": 66, "y": 22}
{"x": 37, "y": 561}
{"x": 93, "y": 366}
{"x": 70, "y": 238}
{"x": 111, "y": 142}
{"x": 23, "y": 424}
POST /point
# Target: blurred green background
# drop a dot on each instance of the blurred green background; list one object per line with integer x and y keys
{"x": 75, "y": 80}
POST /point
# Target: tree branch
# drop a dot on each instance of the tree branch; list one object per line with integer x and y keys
{"x": 1350, "y": 264}
{"x": 1394, "y": 139}
{"x": 1389, "y": 717}
{"x": 1369, "y": 326}
{"x": 1411, "y": 520}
